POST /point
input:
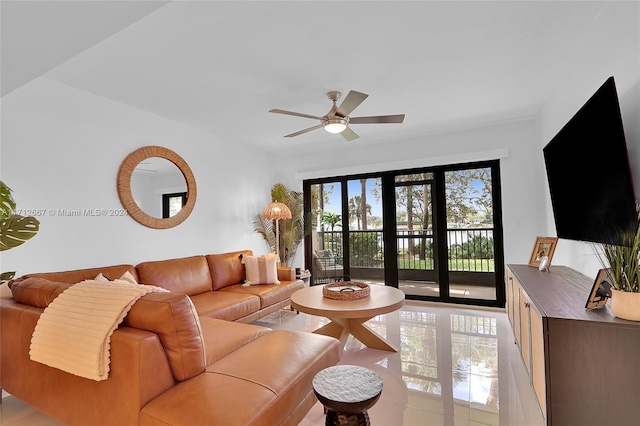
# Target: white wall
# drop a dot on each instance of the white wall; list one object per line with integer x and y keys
{"x": 61, "y": 149}
{"x": 611, "y": 48}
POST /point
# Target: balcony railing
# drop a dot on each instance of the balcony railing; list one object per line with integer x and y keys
{"x": 470, "y": 249}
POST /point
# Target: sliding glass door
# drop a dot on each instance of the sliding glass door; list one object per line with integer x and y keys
{"x": 415, "y": 238}
{"x": 470, "y": 233}
{"x": 435, "y": 233}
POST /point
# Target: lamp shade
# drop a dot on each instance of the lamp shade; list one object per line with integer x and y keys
{"x": 276, "y": 211}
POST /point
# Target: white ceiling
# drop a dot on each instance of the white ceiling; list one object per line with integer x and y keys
{"x": 220, "y": 66}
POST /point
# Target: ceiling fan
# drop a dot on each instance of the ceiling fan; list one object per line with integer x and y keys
{"x": 337, "y": 120}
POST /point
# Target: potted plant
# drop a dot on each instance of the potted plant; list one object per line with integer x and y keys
{"x": 623, "y": 263}
{"x": 291, "y": 231}
{"x": 14, "y": 228}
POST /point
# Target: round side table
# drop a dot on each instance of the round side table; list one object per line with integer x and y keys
{"x": 347, "y": 392}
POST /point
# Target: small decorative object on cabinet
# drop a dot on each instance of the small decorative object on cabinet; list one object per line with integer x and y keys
{"x": 543, "y": 252}
{"x": 601, "y": 290}
{"x": 625, "y": 304}
{"x": 580, "y": 361}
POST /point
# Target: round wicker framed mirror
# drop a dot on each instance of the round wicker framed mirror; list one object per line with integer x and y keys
{"x": 125, "y": 193}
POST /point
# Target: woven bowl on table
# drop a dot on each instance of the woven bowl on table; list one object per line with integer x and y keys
{"x": 347, "y": 290}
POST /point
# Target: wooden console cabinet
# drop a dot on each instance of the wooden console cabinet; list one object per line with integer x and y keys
{"x": 584, "y": 365}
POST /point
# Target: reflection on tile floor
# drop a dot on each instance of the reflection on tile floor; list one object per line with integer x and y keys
{"x": 456, "y": 366}
{"x": 432, "y": 289}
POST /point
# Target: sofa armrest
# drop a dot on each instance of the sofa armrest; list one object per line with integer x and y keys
{"x": 286, "y": 273}
{"x": 175, "y": 320}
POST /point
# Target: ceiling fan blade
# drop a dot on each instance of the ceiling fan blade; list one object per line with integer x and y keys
{"x": 350, "y": 103}
{"x": 398, "y": 118}
{"x": 319, "y": 126}
{"x": 297, "y": 114}
{"x": 349, "y": 134}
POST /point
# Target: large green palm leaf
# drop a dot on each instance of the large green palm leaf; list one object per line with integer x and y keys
{"x": 266, "y": 229}
{"x": 14, "y": 229}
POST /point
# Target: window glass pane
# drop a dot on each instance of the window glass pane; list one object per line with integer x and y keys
{"x": 365, "y": 230}
{"x": 415, "y": 244}
{"x": 416, "y": 177}
{"x": 469, "y": 209}
{"x": 326, "y": 234}
{"x": 175, "y": 205}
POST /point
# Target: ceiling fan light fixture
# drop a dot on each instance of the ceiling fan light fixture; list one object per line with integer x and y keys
{"x": 335, "y": 124}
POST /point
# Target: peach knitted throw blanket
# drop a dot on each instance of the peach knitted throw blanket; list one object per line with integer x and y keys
{"x": 74, "y": 332}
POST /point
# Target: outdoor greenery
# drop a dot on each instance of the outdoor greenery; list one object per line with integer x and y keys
{"x": 477, "y": 247}
{"x": 365, "y": 248}
{"x": 474, "y": 265}
{"x": 332, "y": 220}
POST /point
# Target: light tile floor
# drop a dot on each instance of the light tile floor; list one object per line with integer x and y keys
{"x": 456, "y": 366}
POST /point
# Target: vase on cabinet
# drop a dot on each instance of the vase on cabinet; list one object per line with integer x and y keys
{"x": 625, "y": 304}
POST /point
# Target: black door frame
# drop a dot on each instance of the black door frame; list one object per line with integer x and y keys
{"x": 439, "y": 224}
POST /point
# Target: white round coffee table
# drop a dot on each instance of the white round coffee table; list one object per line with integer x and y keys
{"x": 348, "y": 316}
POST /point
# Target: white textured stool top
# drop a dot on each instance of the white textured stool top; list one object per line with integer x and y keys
{"x": 347, "y": 383}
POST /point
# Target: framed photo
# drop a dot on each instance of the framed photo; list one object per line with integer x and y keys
{"x": 601, "y": 289}
{"x": 545, "y": 247}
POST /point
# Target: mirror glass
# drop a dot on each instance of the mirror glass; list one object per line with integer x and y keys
{"x": 158, "y": 187}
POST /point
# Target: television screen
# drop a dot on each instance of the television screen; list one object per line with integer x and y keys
{"x": 588, "y": 171}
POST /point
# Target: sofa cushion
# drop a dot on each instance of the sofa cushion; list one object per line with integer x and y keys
{"x": 223, "y": 337}
{"x": 269, "y": 294}
{"x": 261, "y": 383}
{"x": 187, "y": 275}
{"x": 261, "y": 270}
{"x": 211, "y": 400}
{"x": 34, "y": 291}
{"x": 226, "y": 306}
{"x": 77, "y": 275}
{"x": 227, "y": 268}
{"x": 174, "y": 319}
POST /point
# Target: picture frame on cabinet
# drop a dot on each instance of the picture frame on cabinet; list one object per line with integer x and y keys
{"x": 543, "y": 251}
{"x": 601, "y": 289}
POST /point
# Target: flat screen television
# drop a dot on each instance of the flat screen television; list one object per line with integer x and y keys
{"x": 590, "y": 180}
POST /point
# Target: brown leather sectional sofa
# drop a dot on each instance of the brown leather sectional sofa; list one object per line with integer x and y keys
{"x": 172, "y": 364}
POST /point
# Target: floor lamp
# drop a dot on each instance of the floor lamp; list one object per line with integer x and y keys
{"x": 276, "y": 211}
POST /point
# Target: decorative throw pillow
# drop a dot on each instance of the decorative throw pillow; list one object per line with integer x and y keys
{"x": 324, "y": 253}
{"x": 261, "y": 270}
{"x": 127, "y": 276}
